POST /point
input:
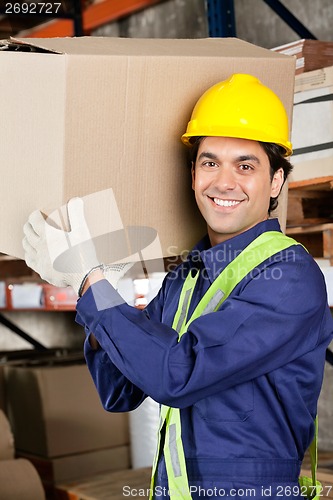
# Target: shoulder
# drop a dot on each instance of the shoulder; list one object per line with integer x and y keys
{"x": 290, "y": 279}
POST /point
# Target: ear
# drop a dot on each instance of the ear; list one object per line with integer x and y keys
{"x": 193, "y": 175}
{"x": 277, "y": 183}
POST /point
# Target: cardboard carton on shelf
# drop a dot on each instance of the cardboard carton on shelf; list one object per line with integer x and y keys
{"x": 309, "y": 54}
{"x": 316, "y": 79}
{"x": 312, "y": 131}
{"x": 18, "y": 477}
{"x": 62, "y": 411}
{"x": 86, "y": 114}
{"x": 7, "y": 450}
{"x": 79, "y": 466}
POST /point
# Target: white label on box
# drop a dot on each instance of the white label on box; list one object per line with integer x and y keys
{"x": 312, "y": 132}
{"x": 328, "y": 275}
{"x": 2, "y": 294}
{"x": 27, "y": 295}
{"x": 300, "y": 63}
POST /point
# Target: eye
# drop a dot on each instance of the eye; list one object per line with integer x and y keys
{"x": 244, "y": 167}
{"x": 209, "y": 164}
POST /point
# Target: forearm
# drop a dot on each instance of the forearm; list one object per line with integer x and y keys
{"x": 94, "y": 277}
{"x": 116, "y": 392}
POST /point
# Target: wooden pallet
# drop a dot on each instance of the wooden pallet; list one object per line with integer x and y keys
{"x": 310, "y": 215}
{"x": 111, "y": 486}
{"x": 310, "y": 201}
{"x": 317, "y": 239}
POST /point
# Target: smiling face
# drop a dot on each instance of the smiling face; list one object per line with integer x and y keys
{"x": 233, "y": 186}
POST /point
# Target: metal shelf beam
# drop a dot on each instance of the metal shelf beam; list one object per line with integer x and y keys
{"x": 25, "y": 336}
{"x": 221, "y": 18}
{"x": 289, "y": 18}
{"x": 94, "y": 16}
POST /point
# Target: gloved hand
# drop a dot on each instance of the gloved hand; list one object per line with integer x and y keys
{"x": 62, "y": 258}
{"x": 65, "y": 258}
{"x": 113, "y": 273}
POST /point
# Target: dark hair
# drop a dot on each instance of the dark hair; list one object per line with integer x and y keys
{"x": 276, "y": 158}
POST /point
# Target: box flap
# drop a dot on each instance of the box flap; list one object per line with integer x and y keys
{"x": 16, "y": 45}
{"x": 232, "y": 47}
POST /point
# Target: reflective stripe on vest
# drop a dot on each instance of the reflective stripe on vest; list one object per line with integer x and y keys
{"x": 260, "y": 249}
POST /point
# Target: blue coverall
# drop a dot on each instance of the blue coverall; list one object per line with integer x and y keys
{"x": 246, "y": 378}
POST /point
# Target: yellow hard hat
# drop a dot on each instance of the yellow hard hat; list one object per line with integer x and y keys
{"x": 240, "y": 107}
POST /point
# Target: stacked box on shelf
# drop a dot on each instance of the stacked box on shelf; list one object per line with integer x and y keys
{"x": 18, "y": 477}
{"x": 28, "y": 294}
{"x": 312, "y": 130}
{"x": 310, "y": 54}
{"x": 63, "y": 430}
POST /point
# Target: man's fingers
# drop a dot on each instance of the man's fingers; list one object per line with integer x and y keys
{"x": 75, "y": 209}
{"x": 30, "y": 235}
{"x": 37, "y": 222}
{"x": 28, "y": 247}
{"x": 30, "y": 253}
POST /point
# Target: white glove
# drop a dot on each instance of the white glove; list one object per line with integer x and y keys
{"x": 65, "y": 258}
{"x": 115, "y": 272}
{"x": 62, "y": 258}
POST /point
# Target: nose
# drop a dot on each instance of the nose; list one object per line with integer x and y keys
{"x": 226, "y": 179}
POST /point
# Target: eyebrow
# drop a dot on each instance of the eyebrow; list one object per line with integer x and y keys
{"x": 205, "y": 154}
{"x": 248, "y": 158}
{"x": 212, "y": 156}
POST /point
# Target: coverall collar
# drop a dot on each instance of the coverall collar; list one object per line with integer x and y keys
{"x": 216, "y": 258}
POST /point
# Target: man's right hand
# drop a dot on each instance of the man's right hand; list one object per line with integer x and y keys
{"x": 44, "y": 244}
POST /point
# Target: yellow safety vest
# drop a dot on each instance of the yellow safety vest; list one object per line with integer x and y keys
{"x": 260, "y": 249}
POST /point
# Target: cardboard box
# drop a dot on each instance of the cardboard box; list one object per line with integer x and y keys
{"x": 79, "y": 466}
{"x": 86, "y": 114}
{"x": 312, "y": 169}
{"x": 312, "y": 133}
{"x": 309, "y": 54}
{"x": 7, "y": 451}
{"x": 62, "y": 412}
{"x": 19, "y": 479}
{"x": 314, "y": 79}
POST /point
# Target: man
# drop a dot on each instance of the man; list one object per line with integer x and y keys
{"x": 233, "y": 347}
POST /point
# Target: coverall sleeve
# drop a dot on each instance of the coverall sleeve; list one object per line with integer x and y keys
{"x": 269, "y": 322}
{"x": 117, "y": 393}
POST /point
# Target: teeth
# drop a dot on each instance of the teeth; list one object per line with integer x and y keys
{"x": 226, "y": 203}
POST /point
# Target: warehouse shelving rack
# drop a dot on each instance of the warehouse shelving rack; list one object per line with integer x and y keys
{"x": 73, "y": 18}
{"x": 81, "y": 17}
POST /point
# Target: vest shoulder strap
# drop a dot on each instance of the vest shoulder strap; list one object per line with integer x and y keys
{"x": 260, "y": 249}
